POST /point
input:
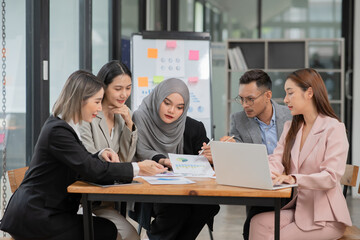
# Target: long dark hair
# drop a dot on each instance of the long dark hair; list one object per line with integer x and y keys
{"x": 111, "y": 70}
{"x": 305, "y": 78}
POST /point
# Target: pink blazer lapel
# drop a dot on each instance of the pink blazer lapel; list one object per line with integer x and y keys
{"x": 295, "y": 151}
{"x": 312, "y": 139}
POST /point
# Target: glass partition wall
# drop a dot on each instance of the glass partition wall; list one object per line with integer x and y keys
{"x": 270, "y": 19}
{"x": 15, "y": 86}
{"x": 224, "y": 19}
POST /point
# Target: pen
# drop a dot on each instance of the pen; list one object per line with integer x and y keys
{"x": 206, "y": 145}
{"x": 230, "y": 138}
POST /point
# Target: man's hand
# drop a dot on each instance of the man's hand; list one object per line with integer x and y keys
{"x": 227, "y": 139}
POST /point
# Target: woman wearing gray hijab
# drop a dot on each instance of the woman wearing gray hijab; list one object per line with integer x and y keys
{"x": 163, "y": 128}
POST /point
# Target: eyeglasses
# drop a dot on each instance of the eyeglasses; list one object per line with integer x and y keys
{"x": 248, "y": 100}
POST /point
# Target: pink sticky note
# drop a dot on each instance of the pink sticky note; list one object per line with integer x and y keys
{"x": 194, "y": 55}
{"x": 170, "y": 44}
{"x": 193, "y": 80}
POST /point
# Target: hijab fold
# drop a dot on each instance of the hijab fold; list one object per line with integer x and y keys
{"x": 154, "y": 135}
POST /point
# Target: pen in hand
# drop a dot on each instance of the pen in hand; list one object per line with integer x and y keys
{"x": 206, "y": 145}
{"x": 230, "y": 138}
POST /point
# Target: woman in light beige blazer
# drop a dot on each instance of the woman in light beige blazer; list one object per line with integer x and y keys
{"x": 311, "y": 152}
{"x": 113, "y": 128}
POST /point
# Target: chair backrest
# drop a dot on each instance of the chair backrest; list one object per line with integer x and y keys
{"x": 15, "y": 177}
{"x": 350, "y": 177}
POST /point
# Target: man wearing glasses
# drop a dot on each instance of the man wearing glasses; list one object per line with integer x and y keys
{"x": 261, "y": 121}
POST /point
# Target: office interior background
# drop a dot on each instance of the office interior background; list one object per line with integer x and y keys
{"x": 47, "y": 40}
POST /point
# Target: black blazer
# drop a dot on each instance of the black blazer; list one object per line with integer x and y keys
{"x": 41, "y": 207}
{"x": 194, "y": 136}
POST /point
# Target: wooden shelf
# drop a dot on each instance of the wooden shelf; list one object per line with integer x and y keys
{"x": 280, "y": 57}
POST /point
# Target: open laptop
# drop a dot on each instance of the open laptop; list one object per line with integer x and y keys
{"x": 243, "y": 165}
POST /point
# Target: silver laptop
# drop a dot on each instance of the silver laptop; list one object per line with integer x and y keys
{"x": 243, "y": 165}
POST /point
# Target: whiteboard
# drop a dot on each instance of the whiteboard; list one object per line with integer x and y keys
{"x": 159, "y": 56}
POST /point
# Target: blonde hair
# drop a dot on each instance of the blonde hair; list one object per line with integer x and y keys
{"x": 79, "y": 87}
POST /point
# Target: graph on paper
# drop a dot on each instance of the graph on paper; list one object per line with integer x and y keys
{"x": 193, "y": 165}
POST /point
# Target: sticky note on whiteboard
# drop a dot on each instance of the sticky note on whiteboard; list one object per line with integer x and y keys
{"x": 158, "y": 79}
{"x": 194, "y": 55}
{"x": 152, "y": 53}
{"x": 193, "y": 80}
{"x": 143, "y": 82}
{"x": 170, "y": 44}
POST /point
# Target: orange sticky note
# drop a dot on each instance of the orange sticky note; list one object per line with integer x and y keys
{"x": 194, "y": 55}
{"x": 193, "y": 80}
{"x": 152, "y": 52}
{"x": 171, "y": 44}
{"x": 143, "y": 82}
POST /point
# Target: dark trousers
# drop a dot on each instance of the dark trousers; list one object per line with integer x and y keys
{"x": 103, "y": 229}
{"x": 180, "y": 221}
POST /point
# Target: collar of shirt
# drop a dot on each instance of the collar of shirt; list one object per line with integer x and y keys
{"x": 74, "y": 126}
{"x": 268, "y": 133}
{"x": 272, "y": 122}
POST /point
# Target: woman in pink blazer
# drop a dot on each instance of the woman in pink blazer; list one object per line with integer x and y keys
{"x": 311, "y": 152}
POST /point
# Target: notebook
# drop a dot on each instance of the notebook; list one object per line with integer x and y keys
{"x": 243, "y": 165}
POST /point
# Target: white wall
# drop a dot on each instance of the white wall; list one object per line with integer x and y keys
{"x": 356, "y": 95}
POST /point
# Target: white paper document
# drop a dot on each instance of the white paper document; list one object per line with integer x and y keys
{"x": 167, "y": 180}
{"x": 191, "y": 165}
{"x": 169, "y": 174}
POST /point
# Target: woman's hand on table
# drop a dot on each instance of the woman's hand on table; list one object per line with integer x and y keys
{"x": 150, "y": 168}
{"x": 165, "y": 162}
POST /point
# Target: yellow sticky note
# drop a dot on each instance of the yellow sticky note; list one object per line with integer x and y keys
{"x": 152, "y": 52}
{"x": 143, "y": 82}
{"x": 158, "y": 79}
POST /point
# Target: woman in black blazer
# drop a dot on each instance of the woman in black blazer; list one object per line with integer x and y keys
{"x": 41, "y": 208}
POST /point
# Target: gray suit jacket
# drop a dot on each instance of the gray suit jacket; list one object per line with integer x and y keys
{"x": 247, "y": 130}
{"x": 95, "y": 137}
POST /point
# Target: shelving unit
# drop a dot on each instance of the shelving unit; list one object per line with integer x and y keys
{"x": 280, "y": 57}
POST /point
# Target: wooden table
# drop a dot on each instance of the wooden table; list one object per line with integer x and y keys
{"x": 204, "y": 191}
